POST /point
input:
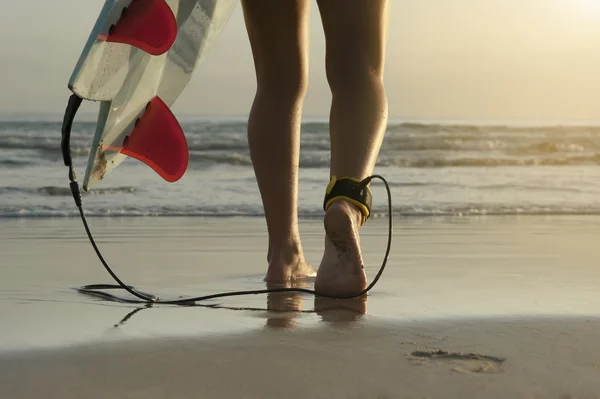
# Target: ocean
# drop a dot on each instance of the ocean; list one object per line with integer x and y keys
{"x": 433, "y": 169}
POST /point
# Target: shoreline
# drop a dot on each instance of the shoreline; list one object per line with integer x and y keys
{"x": 309, "y": 219}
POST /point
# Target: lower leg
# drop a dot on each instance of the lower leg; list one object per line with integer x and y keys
{"x": 358, "y": 120}
{"x": 355, "y": 62}
{"x": 356, "y": 40}
{"x": 279, "y": 48}
{"x": 273, "y": 136}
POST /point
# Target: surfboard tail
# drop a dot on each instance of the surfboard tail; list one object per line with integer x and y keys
{"x": 144, "y": 52}
{"x": 125, "y": 31}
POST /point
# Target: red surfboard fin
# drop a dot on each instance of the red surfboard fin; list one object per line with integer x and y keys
{"x": 158, "y": 141}
{"x": 146, "y": 24}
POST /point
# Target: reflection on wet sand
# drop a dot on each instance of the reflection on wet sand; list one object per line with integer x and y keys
{"x": 284, "y": 308}
{"x": 341, "y": 310}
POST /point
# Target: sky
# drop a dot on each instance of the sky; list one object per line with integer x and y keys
{"x": 485, "y": 60}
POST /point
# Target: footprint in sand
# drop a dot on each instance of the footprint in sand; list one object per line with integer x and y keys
{"x": 463, "y": 362}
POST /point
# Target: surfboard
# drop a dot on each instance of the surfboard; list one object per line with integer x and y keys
{"x": 138, "y": 59}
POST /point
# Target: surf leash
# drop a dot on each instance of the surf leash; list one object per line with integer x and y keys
{"x": 100, "y": 290}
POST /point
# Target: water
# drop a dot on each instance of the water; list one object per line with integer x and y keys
{"x": 434, "y": 169}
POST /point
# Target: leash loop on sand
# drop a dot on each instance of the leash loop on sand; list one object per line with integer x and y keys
{"x": 99, "y": 290}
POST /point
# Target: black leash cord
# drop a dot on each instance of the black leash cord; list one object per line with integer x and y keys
{"x": 97, "y": 289}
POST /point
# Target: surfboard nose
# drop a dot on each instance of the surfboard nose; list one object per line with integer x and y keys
{"x": 158, "y": 141}
{"x": 149, "y": 25}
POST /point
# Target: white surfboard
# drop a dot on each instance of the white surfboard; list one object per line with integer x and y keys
{"x": 138, "y": 59}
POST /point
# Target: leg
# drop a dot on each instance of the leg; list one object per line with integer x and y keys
{"x": 278, "y": 32}
{"x": 356, "y": 34}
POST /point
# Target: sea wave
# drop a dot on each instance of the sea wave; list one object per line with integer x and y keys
{"x": 307, "y": 214}
{"x": 15, "y": 163}
{"x": 54, "y": 191}
{"x": 406, "y": 145}
{"x": 489, "y": 162}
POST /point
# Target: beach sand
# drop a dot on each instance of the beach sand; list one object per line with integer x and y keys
{"x": 494, "y": 307}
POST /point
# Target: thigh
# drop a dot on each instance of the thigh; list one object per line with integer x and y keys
{"x": 355, "y": 33}
{"x": 278, "y": 33}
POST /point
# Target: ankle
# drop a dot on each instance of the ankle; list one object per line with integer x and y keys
{"x": 347, "y": 209}
{"x": 287, "y": 263}
{"x": 286, "y": 253}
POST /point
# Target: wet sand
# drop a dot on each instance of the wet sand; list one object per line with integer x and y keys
{"x": 469, "y": 307}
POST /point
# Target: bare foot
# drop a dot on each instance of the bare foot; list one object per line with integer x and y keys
{"x": 341, "y": 271}
{"x": 284, "y": 269}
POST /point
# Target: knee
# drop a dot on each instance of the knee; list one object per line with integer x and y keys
{"x": 349, "y": 70}
{"x": 285, "y": 84}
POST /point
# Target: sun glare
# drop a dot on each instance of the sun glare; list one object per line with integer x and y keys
{"x": 586, "y": 5}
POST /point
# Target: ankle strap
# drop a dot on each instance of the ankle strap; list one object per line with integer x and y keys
{"x": 349, "y": 189}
